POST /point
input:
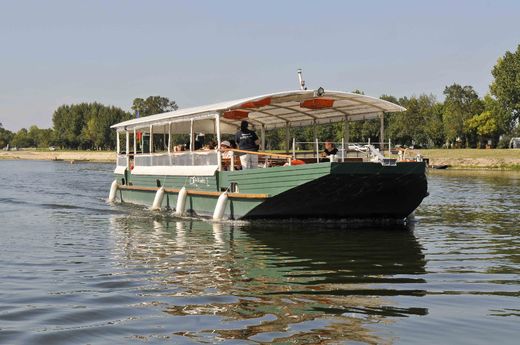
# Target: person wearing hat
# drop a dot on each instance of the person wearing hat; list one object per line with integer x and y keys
{"x": 225, "y": 145}
{"x": 247, "y": 140}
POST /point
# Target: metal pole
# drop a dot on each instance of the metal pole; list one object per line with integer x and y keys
{"x": 294, "y": 148}
{"x": 287, "y": 137}
{"x": 382, "y": 135}
{"x": 118, "y": 145}
{"x": 191, "y": 135}
{"x": 317, "y": 151}
{"x": 262, "y": 137}
{"x": 342, "y": 149}
{"x": 151, "y": 139}
{"x": 127, "y": 148}
{"x": 135, "y": 143}
{"x": 169, "y": 137}
{"x": 217, "y": 129}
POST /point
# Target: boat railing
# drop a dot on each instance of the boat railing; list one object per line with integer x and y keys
{"x": 231, "y": 161}
{"x": 367, "y": 149}
{"x": 186, "y": 158}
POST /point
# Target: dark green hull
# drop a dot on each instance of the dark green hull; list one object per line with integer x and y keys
{"x": 360, "y": 191}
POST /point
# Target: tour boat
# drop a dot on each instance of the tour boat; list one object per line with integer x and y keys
{"x": 358, "y": 183}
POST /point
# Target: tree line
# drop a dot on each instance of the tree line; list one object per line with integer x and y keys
{"x": 463, "y": 119}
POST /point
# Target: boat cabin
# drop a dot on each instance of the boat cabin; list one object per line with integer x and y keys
{"x": 187, "y": 142}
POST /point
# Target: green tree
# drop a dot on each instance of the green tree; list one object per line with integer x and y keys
{"x": 5, "y": 136}
{"x": 484, "y": 125}
{"x": 87, "y": 125}
{"x": 153, "y": 105}
{"x": 461, "y": 104}
{"x": 41, "y": 137}
{"x": 506, "y": 85}
{"x": 419, "y": 124}
{"x": 22, "y": 139}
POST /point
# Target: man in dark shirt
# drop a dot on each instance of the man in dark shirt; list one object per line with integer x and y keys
{"x": 247, "y": 140}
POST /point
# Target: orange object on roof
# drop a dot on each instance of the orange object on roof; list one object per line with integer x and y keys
{"x": 257, "y": 104}
{"x": 297, "y": 162}
{"x": 317, "y": 103}
{"x": 236, "y": 114}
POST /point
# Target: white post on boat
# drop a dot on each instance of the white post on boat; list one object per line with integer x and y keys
{"x": 113, "y": 191}
{"x": 389, "y": 147}
{"x": 232, "y": 166}
{"x": 343, "y": 149}
{"x": 157, "y": 201}
{"x": 287, "y": 137}
{"x": 151, "y": 139}
{"x": 346, "y": 134}
{"x": 294, "y": 147}
{"x": 217, "y": 129}
{"x": 135, "y": 143}
{"x": 220, "y": 208}
{"x": 317, "y": 150}
{"x": 169, "y": 137}
{"x": 262, "y": 137}
{"x": 127, "y": 148}
{"x": 192, "y": 139}
{"x": 181, "y": 202}
{"x": 382, "y": 133}
{"x": 118, "y": 144}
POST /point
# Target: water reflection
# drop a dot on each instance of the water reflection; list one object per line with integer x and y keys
{"x": 304, "y": 282}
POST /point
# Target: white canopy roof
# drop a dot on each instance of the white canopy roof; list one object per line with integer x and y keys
{"x": 296, "y": 108}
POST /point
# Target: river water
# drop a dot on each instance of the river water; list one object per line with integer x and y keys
{"x": 76, "y": 270}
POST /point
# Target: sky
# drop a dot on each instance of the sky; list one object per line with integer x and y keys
{"x": 201, "y": 52}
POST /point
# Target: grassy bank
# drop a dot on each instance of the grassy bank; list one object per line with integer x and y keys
{"x": 498, "y": 159}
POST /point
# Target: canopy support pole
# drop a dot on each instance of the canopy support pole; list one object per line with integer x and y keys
{"x": 169, "y": 137}
{"x": 118, "y": 144}
{"x": 127, "y": 149}
{"x": 151, "y": 139}
{"x": 191, "y": 135}
{"x": 217, "y": 130}
{"x": 262, "y": 137}
{"x": 287, "y": 137}
{"x": 382, "y": 133}
{"x": 346, "y": 134}
{"x": 135, "y": 143}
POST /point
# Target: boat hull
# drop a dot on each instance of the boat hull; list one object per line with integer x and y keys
{"x": 351, "y": 192}
{"x": 355, "y": 190}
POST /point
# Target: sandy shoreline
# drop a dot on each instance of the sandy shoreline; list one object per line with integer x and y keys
{"x": 72, "y": 156}
{"x": 456, "y": 159}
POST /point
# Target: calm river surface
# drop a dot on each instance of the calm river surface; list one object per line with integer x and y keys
{"x": 76, "y": 270}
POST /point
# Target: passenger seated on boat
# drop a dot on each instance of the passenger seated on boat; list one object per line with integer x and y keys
{"x": 210, "y": 146}
{"x": 179, "y": 148}
{"x": 329, "y": 152}
{"x": 330, "y": 149}
{"x": 227, "y": 156}
{"x": 225, "y": 145}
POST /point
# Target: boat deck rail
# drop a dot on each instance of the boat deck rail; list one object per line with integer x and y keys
{"x": 185, "y": 158}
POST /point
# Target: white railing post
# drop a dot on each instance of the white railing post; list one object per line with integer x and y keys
{"x": 232, "y": 166}
{"x": 135, "y": 143}
{"x": 127, "y": 148}
{"x": 151, "y": 139}
{"x": 343, "y": 150}
{"x": 118, "y": 145}
{"x": 317, "y": 150}
{"x": 294, "y": 148}
{"x": 217, "y": 129}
